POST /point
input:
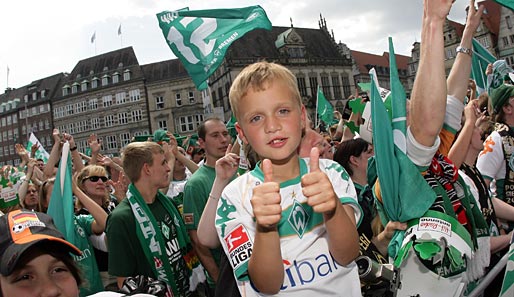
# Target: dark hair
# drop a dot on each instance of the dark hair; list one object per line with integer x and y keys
{"x": 346, "y": 149}
{"x": 202, "y": 131}
{"x": 54, "y": 249}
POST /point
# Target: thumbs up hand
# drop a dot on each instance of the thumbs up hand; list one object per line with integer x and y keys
{"x": 266, "y": 200}
{"x": 317, "y": 187}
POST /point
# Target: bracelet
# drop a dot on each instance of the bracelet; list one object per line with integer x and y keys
{"x": 73, "y": 148}
{"x": 213, "y": 198}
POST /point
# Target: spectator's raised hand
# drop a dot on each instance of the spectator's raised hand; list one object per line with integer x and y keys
{"x": 266, "y": 200}
{"x": 227, "y": 166}
{"x": 56, "y": 135}
{"x": 474, "y": 16}
{"x": 94, "y": 143}
{"x": 33, "y": 149}
{"x": 316, "y": 186}
{"x": 437, "y": 9}
{"x": 22, "y": 152}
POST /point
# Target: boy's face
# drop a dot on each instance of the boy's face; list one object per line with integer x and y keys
{"x": 271, "y": 121}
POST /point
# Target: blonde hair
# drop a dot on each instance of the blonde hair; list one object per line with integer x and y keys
{"x": 137, "y": 154}
{"x": 258, "y": 77}
{"x": 91, "y": 170}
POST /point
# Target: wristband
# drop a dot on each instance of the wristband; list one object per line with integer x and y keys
{"x": 213, "y": 198}
{"x": 73, "y": 148}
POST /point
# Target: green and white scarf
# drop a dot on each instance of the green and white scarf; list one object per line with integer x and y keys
{"x": 152, "y": 241}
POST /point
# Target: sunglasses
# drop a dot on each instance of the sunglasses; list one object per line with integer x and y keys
{"x": 96, "y": 178}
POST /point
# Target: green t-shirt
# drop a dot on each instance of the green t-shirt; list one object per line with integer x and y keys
{"x": 196, "y": 193}
{"x": 87, "y": 262}
{"x": 126, "y": 256}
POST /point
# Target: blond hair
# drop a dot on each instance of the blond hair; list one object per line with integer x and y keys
{"x": 88, "y": 171}
{"x": 258, "y": 77}
{"x": 135, "y": 155}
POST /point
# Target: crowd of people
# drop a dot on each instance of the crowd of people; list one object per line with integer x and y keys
{"x": 283, "y": 208}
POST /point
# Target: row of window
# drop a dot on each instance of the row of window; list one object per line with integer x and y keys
{"x": 106, "y": 79}
{"x": 110, "y": 120}
{"x": 92, "y": 104}
{"x": 331, "y": 86}
{"x": 159, "y": 100}
{"x": 506, "y": 39}
{"x": 184, "y": 124}
{"x": 9, "y": 135}
{"x": 110, "y": 142}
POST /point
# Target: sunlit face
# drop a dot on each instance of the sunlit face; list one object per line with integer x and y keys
{"x": 94, "y": 186}
{"x": 31, "y": 198}
{"x": 271, "y": 121}
{"x": 159, "y": 170}
{"x": 44, "y": 275}
{"x": 41, "y": 164}
{"x": 216, "y": 140}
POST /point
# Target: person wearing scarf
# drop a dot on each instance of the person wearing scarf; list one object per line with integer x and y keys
{"x": 145, "y": 232}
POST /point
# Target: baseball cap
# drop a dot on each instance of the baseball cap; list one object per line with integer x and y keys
{"x": 20, "y": 230}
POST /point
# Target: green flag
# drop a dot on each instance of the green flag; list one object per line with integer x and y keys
{"x": 41, "y": 153}
{"x": 324, "y": 108}
{"x": 479, "y": 61}
{"x": 200, "y": 38}
{"x": 61, "y": 203}
{"x": 507, "y": 3}
{"x": 405, "y": 194}
{"x": 508, "y": 279}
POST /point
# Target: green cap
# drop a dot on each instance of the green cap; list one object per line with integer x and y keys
{"x": 500, "y": 96}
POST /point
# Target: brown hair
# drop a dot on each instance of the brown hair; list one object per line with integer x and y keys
{"x": 259, "y": 76}
{"x": 135, "y": 155}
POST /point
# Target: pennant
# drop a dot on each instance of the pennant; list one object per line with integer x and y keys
{"x": 41, "y": 153}
{"x": 61, "y": 207}
{"x": 324, "y": 108}
{"x": 93, "y": 37}
{"x": 480, "y": 59}
{"x": 394, "y": 168}
{"x": 119, "y": 30}
{"x": 507, "y": 3}
{"x": 201, "y": 38}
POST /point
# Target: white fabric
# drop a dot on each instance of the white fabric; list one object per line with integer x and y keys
{"x": 98, "y": 241}
{"x": 491, "y": 161}
{"x": 419, "y": 154}
{"x": 454, "y": 110}
{"x": 309, "y": 269}
{"x": 177, "y": 186}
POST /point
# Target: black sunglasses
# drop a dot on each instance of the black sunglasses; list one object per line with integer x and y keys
{"x": 96, "y": 178}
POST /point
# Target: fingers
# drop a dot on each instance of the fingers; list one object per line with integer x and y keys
{"x": 314, "y": 160}
{"x": 229, "y": 149}
{"x": 267, "y": 170}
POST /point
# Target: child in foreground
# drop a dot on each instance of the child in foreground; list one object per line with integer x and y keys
{"x": 288, "y": 226}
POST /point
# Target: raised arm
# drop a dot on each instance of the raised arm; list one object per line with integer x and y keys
{"x": 55, "y": 155}
{"x": 100, "y": 216}
{"x": 75, "y": 155}
{"x": 428, "y": 100}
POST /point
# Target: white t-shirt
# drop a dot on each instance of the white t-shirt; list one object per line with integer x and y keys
{"x": 309, "y": 269}
{"x": 491, "y": 162}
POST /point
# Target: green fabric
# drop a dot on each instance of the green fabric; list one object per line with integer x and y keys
{"x": 507, "y": 3}
{"x": 480, "y": 59}
{"x": 500, "y": 96}
{"x": 508, "y": 278}
{"x": 87, "y": 261}
{"x": 405, "y": 193}
{"x": 201, "y": 38}
{"x": 324, "y": 109}
{"x": 152, "y": 241}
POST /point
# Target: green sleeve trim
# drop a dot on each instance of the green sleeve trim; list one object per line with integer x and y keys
{"x": 346, "y": 200}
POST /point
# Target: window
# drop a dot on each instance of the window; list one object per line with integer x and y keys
{"x": 302, "y": 87}
{"x": 198, "y": 119}
{"x": 43, "y": 93}
{"x": 163, "y": 124}
{"x": 14, "y": 119}
{"x": 94, "y": 83}
{"x": 191, "y": 97}
{"x": 41, "y": 125}
{"x": 11, "y": 151}
{"x": 109, "y": 120}
{"x": 74, "y": 88}
{"x": 449, "y": 54}
{"x": 65, "y": 90}
{"x": 122, "y": 118}
{"x": 107, "y": 100}
{"x": 34, "y": 96}
{"x": 159, "y": 102}
{"x": 9, "y": 134}
{"x": 325, "y": 86}
{"x": 83, "y": 86}
{"x": 115, "y": 78}
{"x": 23, "y": 129}
{"x": 4, "y": 134}
{"x": 186, "y": 124}
{"x": 126, "y": 75}
{"x": 95, "y": 123}
{"x": 15, "y": 134}
{"x": 137, "y": 115}
{"x": 9, "y": 120}
{"x": 1, "y": 151}
{"x": 314, "y": 86}
{"x": 105, "y": 80}
{"x": 111, "y": 142}
{"x": 134, "y": 95}
{"x": 178, "y": 101}
{"x": 69, "y": 109}
{"x": 41, "y": 108}
{"x": 3, "y": 122}
{"x": 47, "y": 124}
{"x": 120, "y": 98}
{"x": 505, "y": 41}
{"x": 93, "y": 104}
{"x": 336, "y": 87}
{"x": 346, "y": 86}
{"x": 508, "y": 21}
{"x": 511, "y": 38}
{"x": 485, "y": 42}
{"x": 124, "y": 139}
{"x": 26, "y": 98}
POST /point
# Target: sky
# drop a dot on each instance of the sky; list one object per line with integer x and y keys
{"x": 43, "y": 38}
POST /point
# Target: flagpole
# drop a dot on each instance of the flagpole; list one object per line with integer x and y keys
{"x": 317, "y": 100}
{"x": 7, "y": 82}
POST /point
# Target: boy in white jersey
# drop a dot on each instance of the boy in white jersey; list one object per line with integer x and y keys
{"x": 289, "y": 226}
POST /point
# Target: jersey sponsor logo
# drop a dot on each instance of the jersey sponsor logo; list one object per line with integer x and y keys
{"x": 298, "y": 218}
{"x": 488, "y": 146}
{"x": 239, "y": 246}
